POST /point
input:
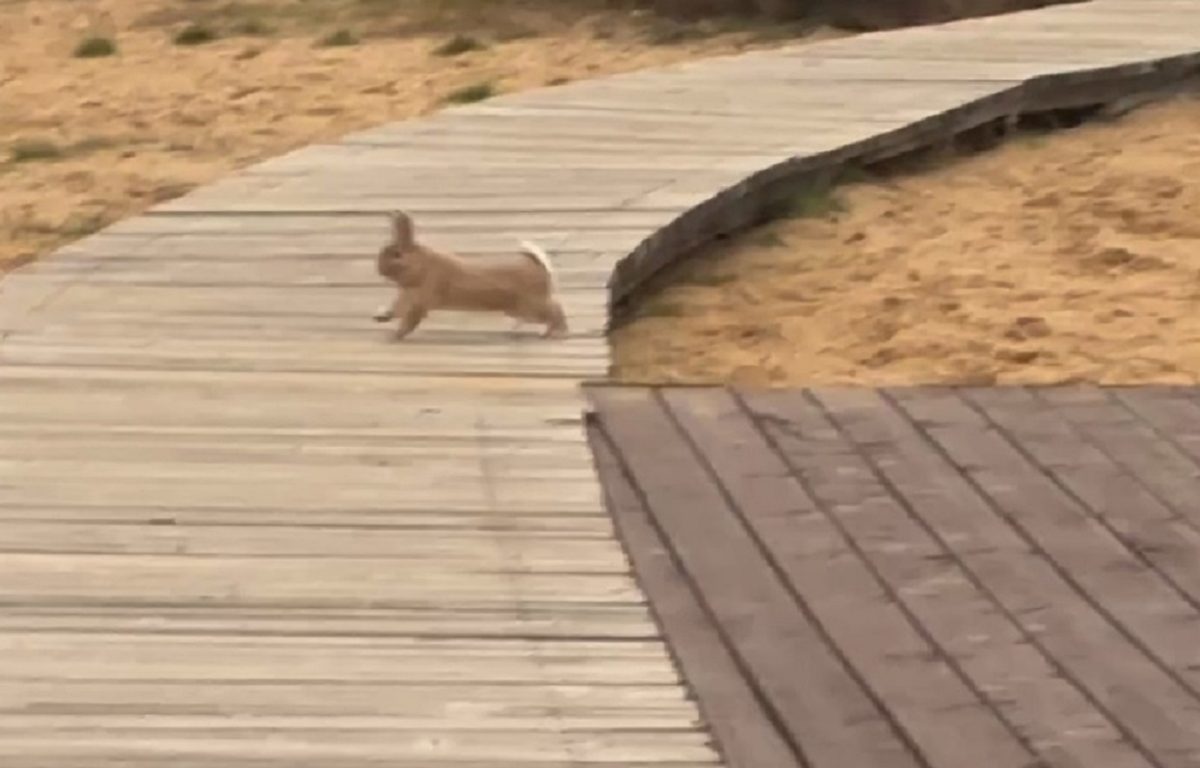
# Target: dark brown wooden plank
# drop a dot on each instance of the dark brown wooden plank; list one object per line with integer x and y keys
{"x": 829, "y": 718}
{"x": 1173, "y": 411}
{"x": 1079, "y": 459}
{"x": 922, "y": 689}
{"x": 1154, "y": 434}
{"x": 1136, "y": 599}
{"x": 741, "y": 725}
{"x": 846, "y": 460}
{"x": 925, "y": 440}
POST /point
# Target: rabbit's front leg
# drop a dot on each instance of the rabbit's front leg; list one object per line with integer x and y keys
{"x": 388, "y": 312}
{"x": 410, "y": 319}
{"x": 410, "y": 312}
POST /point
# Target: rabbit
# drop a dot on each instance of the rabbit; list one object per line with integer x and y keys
{"x": 426, "y": 280}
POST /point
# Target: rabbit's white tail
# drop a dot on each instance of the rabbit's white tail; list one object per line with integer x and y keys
{"x": 538, "y": 254}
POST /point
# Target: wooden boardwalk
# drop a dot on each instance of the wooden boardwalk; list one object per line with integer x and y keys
{"x": 239, "y": 528}
{"x": 994, "y": 577}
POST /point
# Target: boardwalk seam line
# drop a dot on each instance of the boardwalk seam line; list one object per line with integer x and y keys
{"x": 1060, "y": 569}
{"x": 979, "y": 584}
{"x": 1119, "y": 399}
{"x": 952, "y": 662}
{"x": 752, "y": 681}
{"x": 793, "y": 592}
{"x": 1121, "y": 466}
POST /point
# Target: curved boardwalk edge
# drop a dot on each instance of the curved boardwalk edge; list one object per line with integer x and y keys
{"x": 237, "y": 527}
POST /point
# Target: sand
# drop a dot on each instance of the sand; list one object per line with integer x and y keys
{"x": 1066, "y": 257}
{"x": 86, "y": 141}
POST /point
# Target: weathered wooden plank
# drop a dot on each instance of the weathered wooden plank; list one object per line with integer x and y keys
{"x": 1086, "y": 470}
{"x": 377, "y": 745}
{"x": 473, "y": 702}
{"x": 846, "y": 445}
{"x": 568, "y": 522}
{"x": 532, "y": 621}
{"x": 147, "y": 579}
{"x": 81, "y": 445}
{"x": 830, "y": 718}
{"x": 1080, "y": 640}
{"x": 302, "y": 500}
{"x": 1135, "y": 599}
{"x": 178, "y": 757}
{"x": 530, "y": 725}
{"x": 1156, "y": 438}
{"x": 293, "y": 751}
{"x": 740, "y": 722}
{"x": 940, "y": 711}
{"x": 490, "y": 550}
{"x": 507, "y": 390}
{"x": 417, "y": 365}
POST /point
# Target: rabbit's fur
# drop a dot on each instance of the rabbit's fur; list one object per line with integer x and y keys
{"x": 522, "y": 288}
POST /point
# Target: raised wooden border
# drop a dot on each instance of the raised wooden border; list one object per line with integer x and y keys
{"x": 736, "y": 209}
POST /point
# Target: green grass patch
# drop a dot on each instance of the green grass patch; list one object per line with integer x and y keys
{"x": 817, "y": 203}
{"x": 95, "y": 48}
{"x": 34, "y": 150}
{"x": 82, "y": 224}
{"x": 338, "y": 39}
{"x": 807, "y": 201}
{"x": 458, "y": 45}
{"x": 195, "y": 34}
{"x": 765, "y": 238}
{"x": 79, "y": 224}
{"x": 93, "y": 144}
{"x": 45, "y": 150}
{"x": 666, "y": 32}
{"x": 513, "y": 30}
{"x": 656, "y": 307}
{"x": 470, "y": 94}
{"x": 252, "y": 28}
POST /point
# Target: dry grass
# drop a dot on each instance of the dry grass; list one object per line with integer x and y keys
{"x": 198, "y": 88}
{"x": 1075, "y": 256}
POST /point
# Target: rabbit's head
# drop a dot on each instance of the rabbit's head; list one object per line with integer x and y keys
{"x": 392, "y": 255}
{"x": 387, "y": 262}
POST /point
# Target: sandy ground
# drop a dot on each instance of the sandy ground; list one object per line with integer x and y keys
{"x": 1064, "y": 257}
{"x": 85, "y": 141}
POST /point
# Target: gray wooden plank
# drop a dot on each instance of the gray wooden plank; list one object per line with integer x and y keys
{"x": 1154, "y": 436}
{"x": 738, "y": 718}
{"x": 1101, "y": 660}
{"x": 833, "y": 720}
{"x": 847, "y": 446}
{"x": 1084, "y": 464}
{"x": 942, "y": 712}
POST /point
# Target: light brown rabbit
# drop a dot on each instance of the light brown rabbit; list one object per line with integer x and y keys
{"x": 427, "y": 280}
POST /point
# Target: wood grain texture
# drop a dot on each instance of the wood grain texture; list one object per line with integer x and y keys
{"x": 897, "y": 550}
{"x": 238, "y": 527}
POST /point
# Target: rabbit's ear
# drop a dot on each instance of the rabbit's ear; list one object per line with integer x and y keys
{"x": 402, "y": 228}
